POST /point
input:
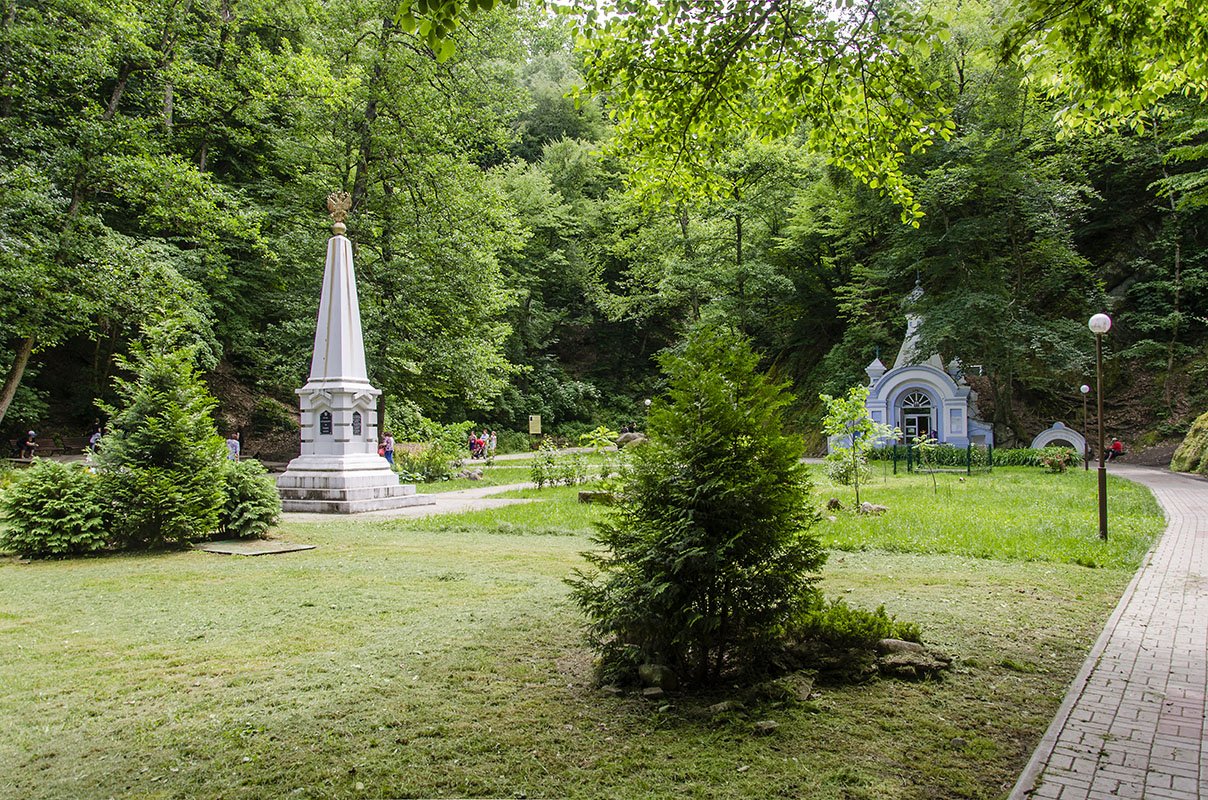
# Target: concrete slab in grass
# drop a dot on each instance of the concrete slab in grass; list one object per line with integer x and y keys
{"x": 252, "y": 547}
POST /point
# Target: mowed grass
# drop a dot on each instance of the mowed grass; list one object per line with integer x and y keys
{"x": 1014, "y": 513}
{"x": 443, "y": 658}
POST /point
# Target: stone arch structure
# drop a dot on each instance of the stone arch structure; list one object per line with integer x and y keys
{"x": 895, "y": 398}
{"x": 1060, "y": 436}
{"x": 921, "y": 397}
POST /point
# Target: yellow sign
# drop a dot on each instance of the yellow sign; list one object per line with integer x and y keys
{"x": 534, "y": 423}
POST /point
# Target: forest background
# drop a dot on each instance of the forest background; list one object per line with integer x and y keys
{"x": 515, "y": 256}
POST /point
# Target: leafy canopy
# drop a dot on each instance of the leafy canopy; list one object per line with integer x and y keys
{"x": 688, "y": 80}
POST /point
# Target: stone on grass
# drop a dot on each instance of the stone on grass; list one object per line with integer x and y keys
{"x": 912, "y": 666}
{"x": 724, "y": 707}
{"x": 653, "y": 693}
{"x": 630, "y": 438}
{"x": 834, "y": 504}
{"x": 871, "y": 509}
{"x": 766, "y": 727}
{"x": 792, "y": 688}
{"x": 886, "y": 646}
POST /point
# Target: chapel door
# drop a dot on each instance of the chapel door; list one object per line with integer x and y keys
{"x": 916, "y": 417}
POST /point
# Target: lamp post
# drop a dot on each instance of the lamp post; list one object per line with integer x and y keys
{"x": 1086, "y": 450}
{"x": 1099, "y": 325}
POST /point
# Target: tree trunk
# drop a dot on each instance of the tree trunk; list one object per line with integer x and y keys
{"x": 360, "y": 186}
{"x": 13, "y": 380}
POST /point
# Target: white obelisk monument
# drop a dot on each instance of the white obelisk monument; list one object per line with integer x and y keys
{"x": 339, "y": 470}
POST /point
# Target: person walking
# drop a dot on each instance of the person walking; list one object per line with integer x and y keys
{"x": 233, "y": 447}
{"x": 388, "y": 448}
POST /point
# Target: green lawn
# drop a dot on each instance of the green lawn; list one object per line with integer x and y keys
{"x": 441, "y": 658}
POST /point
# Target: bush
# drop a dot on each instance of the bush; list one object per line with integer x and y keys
{"x": 253, "y": 505}
{"x": 52, "y": 510}
{"x": 570, "y": 469}
{"x": 839, "y": 625}
{"x": 709, "y": 552}
{"x": 543, "y": 469}
{"x": 1017, "y": 457}
{"x": 512, "y": 442}
{"x": 1192, "y": 454}
{"x": 945, "y": 455}
{"x": 443, "y": 451}
{"x": 161, "y": 466}
{"x": 838, "y": 466}
{"x": 1058, "y": 459}
{"x": 271, "y": 416}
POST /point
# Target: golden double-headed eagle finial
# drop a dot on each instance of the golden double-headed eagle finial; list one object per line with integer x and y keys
{"x": 338, "y": 205}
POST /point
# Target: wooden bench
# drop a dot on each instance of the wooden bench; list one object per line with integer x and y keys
{"x": 53, "y": 446}
{"x": 63, "y": 446}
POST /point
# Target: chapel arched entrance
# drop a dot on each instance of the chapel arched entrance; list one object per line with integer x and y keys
{"x": 916, "y": 418}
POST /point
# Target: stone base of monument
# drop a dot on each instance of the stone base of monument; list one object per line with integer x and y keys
{"x": 344, "y": 485}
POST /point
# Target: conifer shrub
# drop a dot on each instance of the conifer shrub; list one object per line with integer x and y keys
{"x": 840, "y": 625}
{"x": 252, "y": 504}
{"x": 161, "y": 466}
{"x": 710, "y": 551}
{"x": 51, "y": 510}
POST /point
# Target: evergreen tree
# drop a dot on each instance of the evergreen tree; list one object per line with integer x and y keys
{"x": 710, "y": 552}
{"x": 162, "y": 460}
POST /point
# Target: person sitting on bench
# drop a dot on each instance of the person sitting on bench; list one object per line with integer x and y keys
{"x": 27, "y": 446}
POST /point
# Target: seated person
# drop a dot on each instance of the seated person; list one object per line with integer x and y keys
{"x": 27, "y": 446}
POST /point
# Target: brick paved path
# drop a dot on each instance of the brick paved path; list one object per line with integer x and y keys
{"x": 1132, "y": 723}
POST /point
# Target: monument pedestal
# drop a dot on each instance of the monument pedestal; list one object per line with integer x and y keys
{"x": 344, "y": 485}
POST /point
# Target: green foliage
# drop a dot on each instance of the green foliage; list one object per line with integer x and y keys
{"x": 161, "y": 467}
{"x": 710, "y": 551}
{"x": 840, "y": 625}
{"x": 570, "y": 469}
{"x": 687, "y": 81}
{"x": 543, "y": 468}
{"x": 51, "y": 510}
{"x": 1192, "y": 453}
{"x": 847, "y": 419}
{"x": 444, "y": 449}
{"x": 271, "y": 416}
{"x": 1113, "y": 59}
{"x": 1024, "y": 456}
{"x": 602, "y": 441}
{"x": 253, "y": 504}
{"x": 512, "y": 442}
{"x": 844, "y": 470}
{"x": 1058, "y": 459}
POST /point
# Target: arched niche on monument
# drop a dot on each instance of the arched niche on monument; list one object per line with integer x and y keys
{"x": 358, "y": 424}
{"x": 325, "y": 425}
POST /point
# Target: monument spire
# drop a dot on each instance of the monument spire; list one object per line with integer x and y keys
{"x": 339, "y": 469}
{"x": 339, "y": 353}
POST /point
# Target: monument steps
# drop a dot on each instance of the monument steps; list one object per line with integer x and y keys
{"x": 363, "y": 493}
{"x": 329, "y": 506}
